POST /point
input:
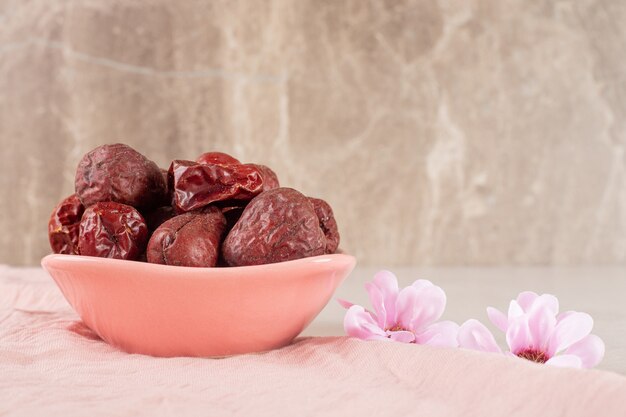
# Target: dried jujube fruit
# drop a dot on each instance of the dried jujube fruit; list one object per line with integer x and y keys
{"x": 218, "y": 158}
{"x": 190, "y": 239}
{"x": 63, "y": 226}
{"x": 327, "y": 223}
{"x": 112, "y": 230}
{"x": 119, "y": 173}
{"x": 270, "y": 179}
{"x": 197, "y": 185}
{"x": 278, "y": 225}
{"x": 187, "y": 210}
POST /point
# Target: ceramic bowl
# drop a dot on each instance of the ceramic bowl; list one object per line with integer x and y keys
{"x": 163, "y": 310}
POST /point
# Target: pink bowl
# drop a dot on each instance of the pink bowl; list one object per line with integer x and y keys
{"x": 165, "y": 310}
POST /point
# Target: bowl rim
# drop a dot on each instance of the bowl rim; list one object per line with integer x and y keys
{"x": 327, "y": 260}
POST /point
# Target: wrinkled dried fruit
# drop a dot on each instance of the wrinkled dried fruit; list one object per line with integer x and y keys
{"x": 218, "y": 158}
{"x": 187, "y": 209}
{"x": 121, "y": 174}
{"x": 191, "y": 239}
{"x": 112, "y": 230}
{"x": 197, "y": 185}
{"x": 278, "y": 225}
{"x": 270, "y": 179}
{"x": 63, "y": 227}
{"x": 327, "y": 223}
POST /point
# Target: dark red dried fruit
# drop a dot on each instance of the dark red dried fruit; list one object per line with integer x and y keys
{"x": 218, "y": 158}
{"x": 197, "y": 185}
{"x": 270, "y": 179}
{"x": 191, "y": 239}
{"x": 327, "y": 223}
{"x": 112, "y": 230}
{"x": 121, "y": 174}
{"x": 278, "y": 225}
{"x": 63, "y": 227}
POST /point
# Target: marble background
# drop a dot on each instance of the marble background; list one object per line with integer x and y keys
{"x": 442, "y": 132}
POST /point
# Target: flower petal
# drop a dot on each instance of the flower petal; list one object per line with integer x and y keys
{"x": 565, "y": 361}
{"x": 402, "y": 336}
{"x": 474, "y": 335}
{"x": 347, "y": 304}
{"x": 526, "y": 299}
{"x": 563, "y": 315}
{"x": 574, "y": 327}
{"x": 417, "y": 308}
{"x": 518, "y": 334}
{"x": 548, "y": 301}
{"x": 441, "y": 334}
{"x": 498, "y": 318}
{"x": 422, "y": 283}
{"x": 590, "y": 350}
{"x": 541, "y": 323}
{"x": 376, "y": 299}
{"x": 387, "y": 285}
{"x": 359, "y": 323}
{"x": 406, "y": 306}
{"x": 387, "y": 282}
{"x": 515, "y": 310}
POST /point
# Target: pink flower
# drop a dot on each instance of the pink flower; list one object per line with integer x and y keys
{"x": 409, "y": 315}
{"x": 536, "y": 331}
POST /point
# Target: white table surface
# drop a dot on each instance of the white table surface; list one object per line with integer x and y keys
{"x": 599, "y": 291}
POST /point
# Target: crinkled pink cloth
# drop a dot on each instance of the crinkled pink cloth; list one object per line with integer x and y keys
{"x": 51, "y": 364}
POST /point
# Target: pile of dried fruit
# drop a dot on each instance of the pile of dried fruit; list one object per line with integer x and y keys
{"x": 215, "y": 211}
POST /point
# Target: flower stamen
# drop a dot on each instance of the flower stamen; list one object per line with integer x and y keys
{"x": 533, "y": 355}
{"x": 396, "y": 328}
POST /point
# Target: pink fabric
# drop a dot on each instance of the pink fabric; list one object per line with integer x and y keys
{"x": 51, "y": 364}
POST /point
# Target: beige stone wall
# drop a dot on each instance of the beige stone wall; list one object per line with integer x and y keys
{"x": 442, "y": 132}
